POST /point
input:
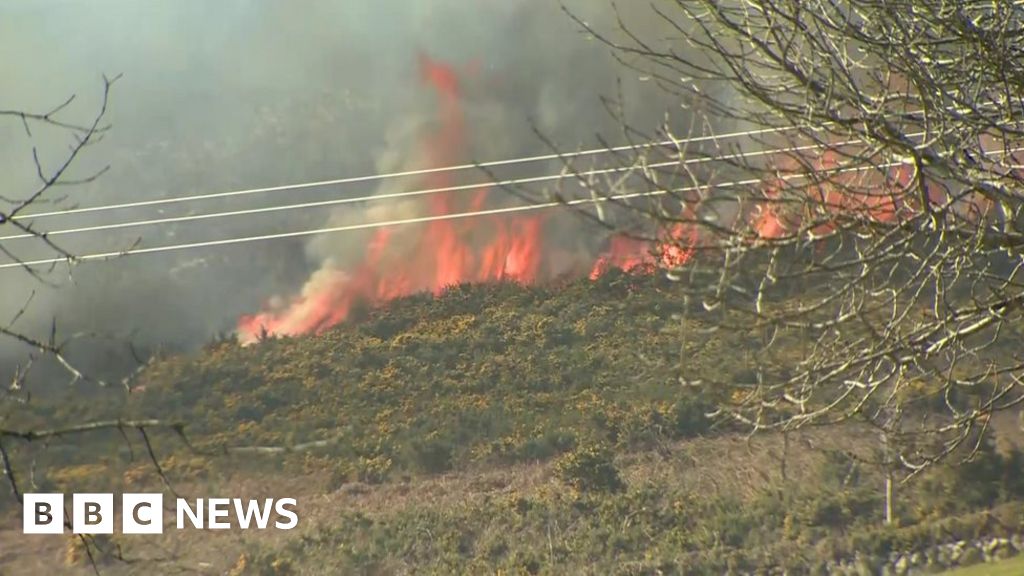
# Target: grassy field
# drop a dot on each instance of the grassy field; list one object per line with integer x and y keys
{"x": 1011, "y": 567}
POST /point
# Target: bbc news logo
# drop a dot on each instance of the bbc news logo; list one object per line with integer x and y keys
{"x": 144, "y": 513}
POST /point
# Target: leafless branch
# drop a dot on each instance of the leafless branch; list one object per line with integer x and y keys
{"x": 869, "y": 227}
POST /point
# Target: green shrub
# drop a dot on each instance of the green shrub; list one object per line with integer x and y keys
{"x": 546, "y": 445}
{"x": 590, "y": 469}
{"x": 373, "y": 470}
{"x": 987, "y": 479}
{"x": 689, "y": 417}
{"x": 432, "y": 456}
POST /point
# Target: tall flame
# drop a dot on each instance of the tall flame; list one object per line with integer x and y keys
{"x": 444, "y": 252}
{"x": 433, "y": 256}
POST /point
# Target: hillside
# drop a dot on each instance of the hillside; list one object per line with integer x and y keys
{"x": 510, "y": 429}
{"x": 482, "y": 374}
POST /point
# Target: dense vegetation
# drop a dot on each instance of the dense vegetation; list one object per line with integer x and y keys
{"x": 481, "y": 374}
{"x": 579, "y": 382}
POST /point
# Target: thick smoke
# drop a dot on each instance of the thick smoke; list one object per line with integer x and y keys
{"x": 233, "y": 94}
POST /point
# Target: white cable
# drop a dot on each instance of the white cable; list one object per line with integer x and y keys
{"x": 319, "y": 203}
{"x": 424, "y": 219}
{"x": 408, "y": 194}
{"x": 421, "y": 172}
{"x": 372, "y": 177}
{"x": 347, "y": 228}
{"x": 417, "y": 220}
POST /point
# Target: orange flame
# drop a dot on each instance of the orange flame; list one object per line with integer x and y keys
{"x": 443, "y": 253}
{"x": 446, "y": 252}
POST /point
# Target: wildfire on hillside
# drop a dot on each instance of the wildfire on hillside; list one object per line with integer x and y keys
{"x": 431, "y": 256}
{"x": 439, "y": 253}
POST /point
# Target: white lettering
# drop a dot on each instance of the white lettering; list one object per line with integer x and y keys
{"x": 281, "y": 507}
{"x": 253, "y": 510}
{"x": 185, "y": 510}
{"x": 218, "y": 508}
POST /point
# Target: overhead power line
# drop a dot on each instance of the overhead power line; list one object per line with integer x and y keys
{"x": 361, "y": 226}
{"x": 389, "y": 175}
{"x": 413, "y": 193}
{"x": 426, "y": 171}
{"x": 424, "y": 219}
{"x": 415, "y": 220}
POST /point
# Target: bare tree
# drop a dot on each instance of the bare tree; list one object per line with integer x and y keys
{"x": 47, "y": 356}
{"x": 17, "y": 213}
{"x": 50, "y": 349}
{"x": 844, "y": 185}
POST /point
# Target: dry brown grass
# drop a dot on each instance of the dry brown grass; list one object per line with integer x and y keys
{"x": 738, "y": 466}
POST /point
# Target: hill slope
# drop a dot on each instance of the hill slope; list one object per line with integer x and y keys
{"x": 480, "y": 374}
{"x": 513, "y": 429}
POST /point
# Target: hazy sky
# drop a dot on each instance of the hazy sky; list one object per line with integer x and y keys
{"x": 228, "y": 94}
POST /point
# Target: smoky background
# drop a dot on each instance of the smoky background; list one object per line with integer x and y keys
{"x": 238, "y": 94}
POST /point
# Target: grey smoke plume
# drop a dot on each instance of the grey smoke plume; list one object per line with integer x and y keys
{"x": 236, "y": 94}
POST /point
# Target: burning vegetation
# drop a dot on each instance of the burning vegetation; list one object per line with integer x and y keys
{"x": 446, "y": 252}
{"x": 450, "y": 249}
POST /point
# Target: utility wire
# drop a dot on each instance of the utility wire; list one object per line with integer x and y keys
{"x": 374, "y": 177}
{"x": 317, "y": 204}
{"x": 413, "y": 193}
{"x": 424, "y": 219}
{"x": 416, "y": 220}
{"x": 361, "y": 226}
{"x": 421, "y": 172}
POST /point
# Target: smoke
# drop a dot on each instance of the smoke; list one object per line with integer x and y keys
{"x": 233, "y": 94}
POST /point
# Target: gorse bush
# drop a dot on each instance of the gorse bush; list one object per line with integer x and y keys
{"x": 659, "y": 526}
{"x": 689, "y": 417}
{"x": 590, "y": 468}
{"x": 480, "y": 374}
{"x": 432, "y": 456}
{"x": 370, "y": 470}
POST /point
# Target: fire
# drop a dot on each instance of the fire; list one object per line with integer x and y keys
{"x": 444, "y": 252}
{"x": 434, "y": 256}
{"x": 865, "y": 195}
{"x": 628, "y": 253}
